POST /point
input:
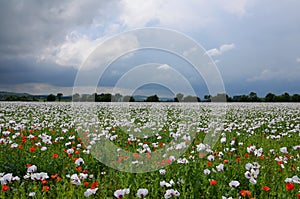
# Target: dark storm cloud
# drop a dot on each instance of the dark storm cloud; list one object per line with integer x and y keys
{"x": 14, "y": 72}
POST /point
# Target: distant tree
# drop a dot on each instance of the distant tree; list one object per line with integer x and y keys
{"x": 117, "y": 97}
{"x": 253, "y": 97}
{"x": 10, "y": 98}
{"x": 190, "y": 98}
{"x": 59, "y": 95}
{"x": 128, "y": 98}
{"x": 295, "y": 98}
{"x": 76, "y": 97}
{"x": 104, "y": 97}
{"x": 270, "y": 97}
{"x": 131, "y": 99}
{"x": 51, "y": 98}
{"x": 243, "y": 98}
{"x": 152, "y": 98}
{"x": 179, "y": 97}
{"x": 207, "y": 98}
{"x": 220, "y": 97}
{"x": 228, "y": 98}
{"x": 285, "y": 97}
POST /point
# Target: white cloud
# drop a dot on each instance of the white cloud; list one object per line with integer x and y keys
{"x": 298, "y": 59}
{"x": 164, "y": 67}
{"x": 237, "y": 7}
{"x": 221, "y": 50}
{"x": 73, "y": 51}
{"x": 178, "y": 14}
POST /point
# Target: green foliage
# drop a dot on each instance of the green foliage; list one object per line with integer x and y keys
{"x": 153, "y": 98}
{"x": 51, "y": 98}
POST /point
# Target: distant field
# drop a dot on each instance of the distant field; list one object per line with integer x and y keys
{"x": 151, "y": 150}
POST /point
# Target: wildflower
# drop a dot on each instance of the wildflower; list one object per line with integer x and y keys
{"x": 5, "y": 188}
{"x": 220, "y": 167}
{"x": 213, "y": 182}
{"x": 43, "y": 148}
{"x": 284, "y": 150}
{"x": 4, "y": 179}
{"x": 70, "y": 151}
{"x": 120, "y": 193}
{"x": 45, "y": 189}
{"x": 39, "y": 176}
{"x": 79, "y": 161}
{"x": 266, "y": 188}
{"x": 162, "y": 171}
{"x": 141, "y": 193}
{"x": 89, "y": 192}
{"x": 223, "y": 139}
{"x": 171, "y": 192}
{"x": 210, "y": 158}
{"x": 55, "y": 155}
{"x": 31, "y": 194}
{"x": 245, "y": 193}
{"x": 75, "y": 179}
{"x": 94, "y": 185}
{"x": 206, "y": 171}
{"x": 54, "y": 176}
{"x": 32, "y": 149}
{"x": 86, "y": 184}
{"x": 234, "y": 184}
{"x": 289, "y": 186}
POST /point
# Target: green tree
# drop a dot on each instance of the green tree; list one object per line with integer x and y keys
{"x": 285, "y": 97}
{"x": 253, "y": 97}
{"x": 207, "y": 98}
{"x": 295, "y": 98}
{"x": 59, "y": 95}
{"x": 51, "y": 98}
{"x": 152, "y": 98}
{"x": 270, "y": 97}
{"x": 131, "y": 99}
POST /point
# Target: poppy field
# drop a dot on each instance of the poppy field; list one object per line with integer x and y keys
{"x": 149, "y": 150}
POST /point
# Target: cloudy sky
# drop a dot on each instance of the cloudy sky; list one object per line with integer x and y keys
{"x": 255, "y": 44}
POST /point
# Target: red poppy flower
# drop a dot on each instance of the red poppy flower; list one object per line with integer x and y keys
{"x": 213, "y": 182}
{"x": 45, "y": 189}
{"x": 289, "y": 186}
{"x": 86, "y": 184}
{"x": 136, "y": 155}
{"x": 245, "y": 193}
{"x": 55, "y": 155}
{"x": 54, "y": 176}
{"x": 94, "y": 185}
{"x": 32, "y": 149}
{"x": 5, "y": 188}
{"x": 266, "y": 188}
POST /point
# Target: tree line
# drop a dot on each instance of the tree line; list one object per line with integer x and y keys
{"x": 107, "y": 97}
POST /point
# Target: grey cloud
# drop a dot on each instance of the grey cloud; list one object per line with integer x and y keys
{"x": 27, "y": 27}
